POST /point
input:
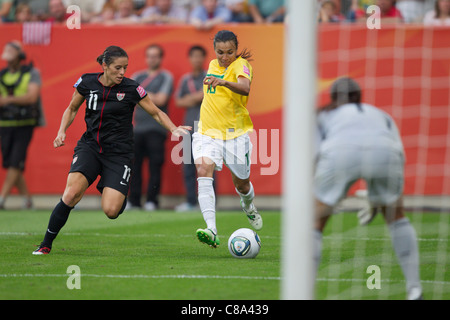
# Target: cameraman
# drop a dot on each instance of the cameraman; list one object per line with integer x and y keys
{"x": 20, "y": 112}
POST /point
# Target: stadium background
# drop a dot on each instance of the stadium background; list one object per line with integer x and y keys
{"x": 403, "y": 69}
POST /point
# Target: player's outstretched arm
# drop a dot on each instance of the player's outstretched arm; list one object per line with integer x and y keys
{"x": 162, "y": 118}
{"x": 67, "y": 118}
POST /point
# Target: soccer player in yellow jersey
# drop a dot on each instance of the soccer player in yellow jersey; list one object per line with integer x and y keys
{"x": 222, "y": 135}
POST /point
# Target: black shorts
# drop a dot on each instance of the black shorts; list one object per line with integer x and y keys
{"x": 15, "y": 142}
{"x": 114, "y": 170}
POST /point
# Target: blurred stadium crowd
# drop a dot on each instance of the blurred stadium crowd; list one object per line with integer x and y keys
{"x": 204, "y": 14}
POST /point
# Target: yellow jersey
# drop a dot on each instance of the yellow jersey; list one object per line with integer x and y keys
{"x": 224, "y": 114}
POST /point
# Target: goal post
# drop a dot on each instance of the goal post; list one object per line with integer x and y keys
{"x": 298, "y": 276}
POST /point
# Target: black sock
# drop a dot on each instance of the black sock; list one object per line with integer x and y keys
{"x": 57, "y": 220}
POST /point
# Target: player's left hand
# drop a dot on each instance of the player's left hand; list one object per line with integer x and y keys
{"x": 181, "y": 130}
{"x": 212, "y": 81}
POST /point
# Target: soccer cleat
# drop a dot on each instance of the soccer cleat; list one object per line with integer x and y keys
{"x": 415, "y": 294}
{"x": 41, "y": 250}
{"x": 209, "y": 237}
{"x": 366, "y": 215}
{"x": 253, "y": 216}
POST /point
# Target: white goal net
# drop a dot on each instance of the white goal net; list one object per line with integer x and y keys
{"x": 403, "y": 69}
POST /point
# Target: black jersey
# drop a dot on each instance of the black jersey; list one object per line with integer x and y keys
{"x": 109, "y": 113}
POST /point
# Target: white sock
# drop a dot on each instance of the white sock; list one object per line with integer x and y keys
{"x": 207, "y": 201}
{"x": 317, "y": 248}
{"x": 247, "y": 199}
{"x": 404, "y": 241}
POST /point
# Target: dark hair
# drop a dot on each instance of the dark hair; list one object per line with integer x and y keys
{"x": 344, "y": 90}
{"x": 437, "y": 10}
{"x": 156, "y": 46}
{"x": 225, "y": 36}
{"x": 110, "y": 54}
{"x": 197, "y": 48}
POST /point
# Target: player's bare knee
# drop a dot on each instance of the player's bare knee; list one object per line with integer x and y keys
{"x": 203, "y": 171}
{"x": 113, "y": 216}
{"x": 205, "y": 167}
{"x": 111, "y": 212}
{"x": 243, "y": 187}
{"x": 72, "y": 196}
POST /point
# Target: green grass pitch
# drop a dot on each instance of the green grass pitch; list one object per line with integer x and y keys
{"x": 157, "y": 256}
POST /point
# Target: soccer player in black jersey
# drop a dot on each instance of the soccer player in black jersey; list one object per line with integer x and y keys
{"x": 106, "y": 148}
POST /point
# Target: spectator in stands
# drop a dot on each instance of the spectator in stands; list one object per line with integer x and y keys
{"x": 440, "y": 16}
{"x": 140, "y": 5}
{"x": 106, "y": 15}
{"x": 58, "y": 12}
{"x": 388, "y": 12}
{"x": 165, "y": 12}
{"x": 189, "y": 5}
{"x": 89, "y": 9}
{"x": 345, "y": 6}
{"x": 40, "y": 9}
{"x": 267, "y": 11}
{"x": 189, "y": 96}
{"x": 6, "y": 11}
{"x": 23, "y": 13}
{"x": 209, "y": 14}
{"x": 20, "y": 113}
{"x": 329, "y": 12}
{"x": 151, "y": 3}
{"x": 239, "y": 10}
{"x": 358, "y": 10}
{"x": 149, "y": 135}
{"x": 124, "y": 13}
{"x": 411, "y": 10}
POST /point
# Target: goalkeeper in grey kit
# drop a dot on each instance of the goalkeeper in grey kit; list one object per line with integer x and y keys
{"x": 359, "y": 141}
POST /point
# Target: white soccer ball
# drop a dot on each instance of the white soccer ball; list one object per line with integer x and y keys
{"x": 244, "y": 243}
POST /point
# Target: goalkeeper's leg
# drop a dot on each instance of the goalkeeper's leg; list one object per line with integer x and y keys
{"x": 404, "y": 241}
{"x": 323, "y": 213}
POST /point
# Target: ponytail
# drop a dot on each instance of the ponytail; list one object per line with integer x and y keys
{"x": 110, "y": 54}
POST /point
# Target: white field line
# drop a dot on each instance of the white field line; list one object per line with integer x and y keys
{"x": 188, "y": 276}
{"x": 136, "y": 276}
{"x": 156, "y": 235}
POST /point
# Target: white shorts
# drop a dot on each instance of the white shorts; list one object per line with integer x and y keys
{"x": 235, "y": 153}
{"x": 338, "y": 169}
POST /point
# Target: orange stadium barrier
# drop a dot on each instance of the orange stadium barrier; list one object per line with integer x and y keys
{"x": 406, "y": 91}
